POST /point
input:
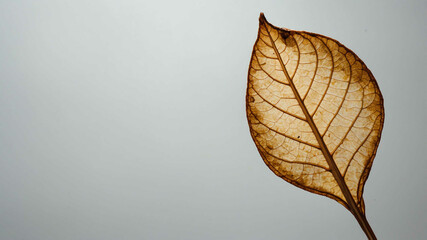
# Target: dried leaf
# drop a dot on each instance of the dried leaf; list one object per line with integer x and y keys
{"x": 315, "y": 114}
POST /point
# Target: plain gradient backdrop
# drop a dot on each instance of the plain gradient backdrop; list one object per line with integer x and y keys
{"x": 126, "y": 120}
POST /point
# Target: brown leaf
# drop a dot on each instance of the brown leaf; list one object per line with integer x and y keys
{"x": 315, "y": 114}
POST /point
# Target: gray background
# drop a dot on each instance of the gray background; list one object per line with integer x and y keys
{"x": 126, "y": 120}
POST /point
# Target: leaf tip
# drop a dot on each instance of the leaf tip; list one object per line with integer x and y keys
{"x": 262, "y": 18}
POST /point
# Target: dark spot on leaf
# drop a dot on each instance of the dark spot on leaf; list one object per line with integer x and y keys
{"x": 286, "y": 36}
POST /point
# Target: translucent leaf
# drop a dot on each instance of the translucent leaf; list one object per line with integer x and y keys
{"x": 315, "y": 114}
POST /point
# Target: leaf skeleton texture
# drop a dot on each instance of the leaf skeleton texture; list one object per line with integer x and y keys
{"x": 315, "y": 113}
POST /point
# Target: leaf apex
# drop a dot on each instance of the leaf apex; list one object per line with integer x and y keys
{"x": 262, "y": 18}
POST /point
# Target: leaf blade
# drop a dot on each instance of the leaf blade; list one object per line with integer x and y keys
{"x": 328, "y": 83}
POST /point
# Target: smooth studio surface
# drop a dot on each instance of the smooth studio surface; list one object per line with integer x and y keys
{"x": 126, "y": 120}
